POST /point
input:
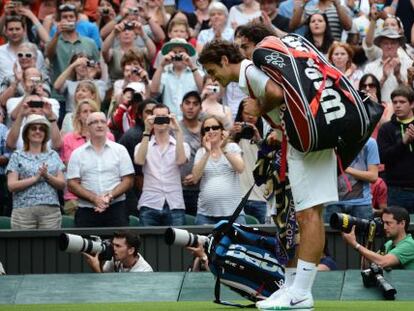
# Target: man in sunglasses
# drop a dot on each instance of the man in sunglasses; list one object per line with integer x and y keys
{"x": 161, "y": 155}
{"x": 15, "y": 32}
{"x": 68, "y": 42}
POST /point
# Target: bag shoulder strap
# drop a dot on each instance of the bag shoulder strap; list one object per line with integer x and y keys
{"x": 227, "y": 303}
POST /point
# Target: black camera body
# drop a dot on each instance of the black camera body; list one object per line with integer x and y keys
{"x": 105, "y": 11}
{"x": 162, "y": 120}
{"x": 374, "y": 276}
{"x": 136, "y": 71}
{"x": 177, "y": 57}
{"x": 247, "y": 131}
{"x": 35, "y": 104}
{"x": 345, "y": 222}
{"x": 129, "y": 26}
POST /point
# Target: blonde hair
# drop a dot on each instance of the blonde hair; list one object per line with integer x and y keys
{"x": 88, "y": 84}
{"x": 77, "y": 125}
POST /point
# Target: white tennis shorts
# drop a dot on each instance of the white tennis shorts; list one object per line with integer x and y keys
{"x": 313, "y": 177}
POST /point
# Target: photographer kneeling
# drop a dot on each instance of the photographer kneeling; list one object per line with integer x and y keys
{"x": 126, "y": 257}
{"x": 399, "y": 250}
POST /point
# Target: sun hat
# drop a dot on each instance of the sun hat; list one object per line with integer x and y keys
{"x": 167, "y": 47}
{"x": 390, "y": 34}
{"x": 37, "y": 119}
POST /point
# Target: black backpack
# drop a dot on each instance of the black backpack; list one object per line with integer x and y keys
{"x": 322, "y": 109}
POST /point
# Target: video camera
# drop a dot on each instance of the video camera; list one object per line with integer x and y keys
{"x": 72, "y": 243}
{"x": 345, "y": 222}
{"x": 374, "y": 276}
{"x": 181, "y": 237}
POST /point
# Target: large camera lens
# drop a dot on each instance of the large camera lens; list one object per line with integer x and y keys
{"x": 345, "y": 222}
{"x": 72, "y": 243}
{"x": 182, "y": 237}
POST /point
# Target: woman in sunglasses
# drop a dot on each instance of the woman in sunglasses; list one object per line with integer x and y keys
{"x": 34, "y": 175}
{"x": 12, "y": 86}
{"x": 217, "y": 164}
{"x": 370, "y": 85}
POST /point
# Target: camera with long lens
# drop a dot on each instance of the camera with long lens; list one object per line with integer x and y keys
{"x": 181, "y": 237}
{"x": 345, "y": 222}
{"x": 247, "y": 131}
{"x": 72, "y": 243}
{"x": 374, "y": 276}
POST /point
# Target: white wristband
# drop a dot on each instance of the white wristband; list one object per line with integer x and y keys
{"x": 357, "y": 246}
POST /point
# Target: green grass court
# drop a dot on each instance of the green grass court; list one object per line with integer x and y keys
{"x": 207, "y": 306}
{"x": 182, "y": 291}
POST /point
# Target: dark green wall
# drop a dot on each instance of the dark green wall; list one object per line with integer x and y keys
{"x": 27, "y": 252}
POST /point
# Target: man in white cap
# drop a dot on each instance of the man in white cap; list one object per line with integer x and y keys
{"x": 176, "y": 75}
{"x": 390, "y": 70}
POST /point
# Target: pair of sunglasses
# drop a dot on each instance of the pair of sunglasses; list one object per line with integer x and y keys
{"x": 214, "y": 128}
{"x": 26, "y": 55}
{"x": 67, "y": 7}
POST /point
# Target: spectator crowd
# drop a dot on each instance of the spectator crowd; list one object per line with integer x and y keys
{"x": 105, "y": 111}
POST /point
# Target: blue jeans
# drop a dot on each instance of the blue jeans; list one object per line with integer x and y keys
{"x": 210, "y": 220}
{"x": 359, "y": 211}
{"x": 402, "y": 197}
{"x": 257, "y": 209}
{"x": 166, "y": 217}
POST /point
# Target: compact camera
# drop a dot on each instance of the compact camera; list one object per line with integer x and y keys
{"x": 213, "y": 88}
{"x": 162, "y": 120}
{"x": 91, "y": 63}
{"x": 177, "y": 57}
{"x": 129, "y": 26}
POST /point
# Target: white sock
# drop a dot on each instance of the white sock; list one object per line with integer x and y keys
{"x": 289, "y": 276}
{"x": 305, "y": 276}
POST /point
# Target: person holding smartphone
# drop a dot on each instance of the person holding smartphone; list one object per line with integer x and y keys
{"x": 161, "y": 156}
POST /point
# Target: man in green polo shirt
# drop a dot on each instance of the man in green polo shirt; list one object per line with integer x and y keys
{"x": 66, "y": 42}
{"x": 399, "y": 250}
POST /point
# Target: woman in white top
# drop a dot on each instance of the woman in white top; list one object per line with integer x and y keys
{"x": 218, "y": 165}
{"x": 243, "y": 13}
{"x": 211, "y": 95}
{"x": 219, "y": 27}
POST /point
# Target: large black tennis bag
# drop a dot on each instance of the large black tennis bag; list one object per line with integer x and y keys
{"x": 322, "y": 109}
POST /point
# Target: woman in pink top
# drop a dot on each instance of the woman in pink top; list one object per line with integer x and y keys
{"x": 75, "y": 139}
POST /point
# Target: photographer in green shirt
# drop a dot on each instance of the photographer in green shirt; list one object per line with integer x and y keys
{"x": 399, "y": 250}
